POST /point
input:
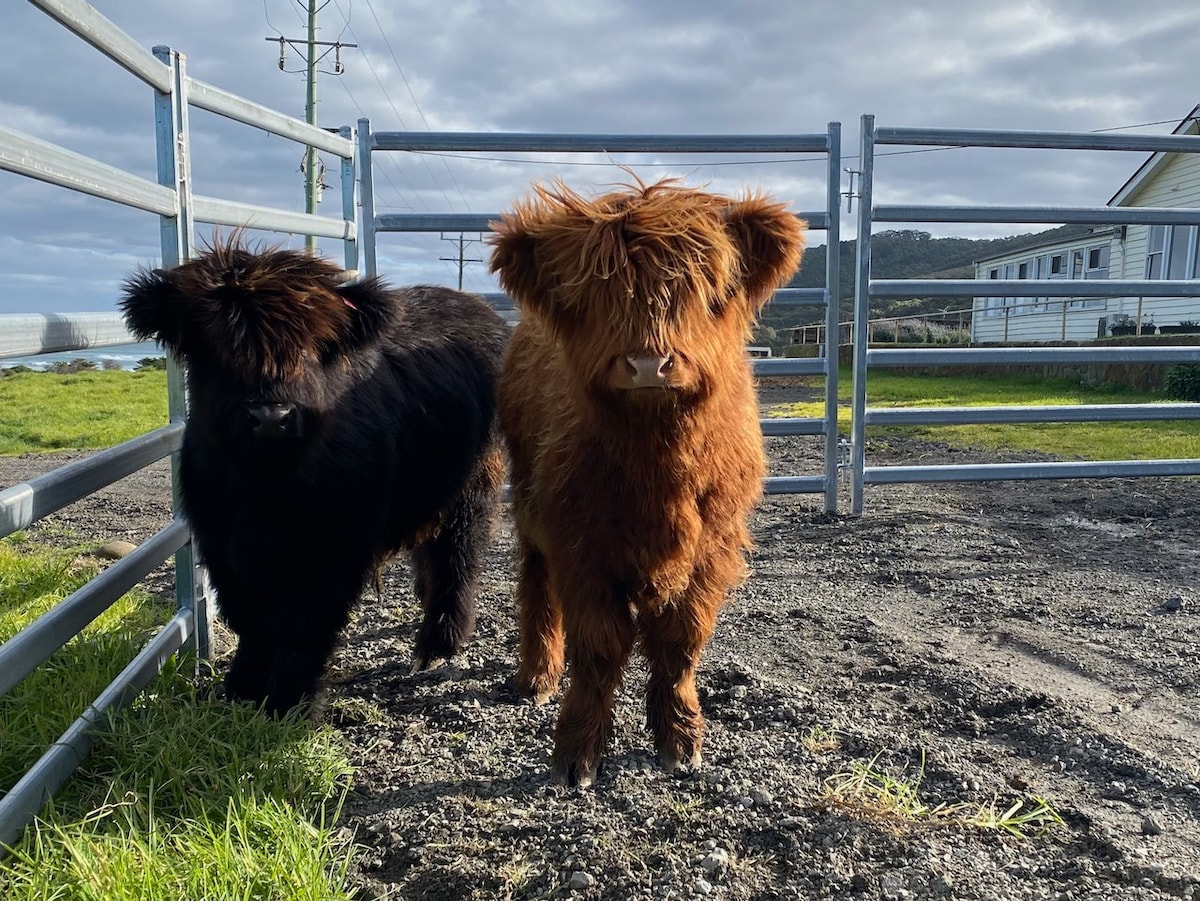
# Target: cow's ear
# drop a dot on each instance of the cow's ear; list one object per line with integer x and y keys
{"x": 769, "y": 241}
{"x": 515, "y": 262}
{"x": 154, "y": 309}
{"x": 373, "y": 309}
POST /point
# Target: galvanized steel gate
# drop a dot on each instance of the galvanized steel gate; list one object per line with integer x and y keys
{"x": 826, "y": 219}
{"x": 179, "y": 209}
{"x": 868, "y": 288}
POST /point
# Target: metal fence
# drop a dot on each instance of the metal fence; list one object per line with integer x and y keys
{"x": 826, "y": 219}
{"x": 868, "y": 289}
{"x": 179, "y": 209}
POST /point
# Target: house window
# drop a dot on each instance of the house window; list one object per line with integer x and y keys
{"x": 1058, "y": 265}
{"x": 1087, "y": 263}
{"x": 1171, "y": 251}
{"x": 995, "y": 305}
{"x": 1156, "y": 242}
{"x": 1179, "y": 264}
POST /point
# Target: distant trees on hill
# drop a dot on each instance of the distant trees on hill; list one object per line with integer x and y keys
{"x": 901, "y": 253}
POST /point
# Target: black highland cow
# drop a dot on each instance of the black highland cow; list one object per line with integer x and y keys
{"x": 330, "y": 426}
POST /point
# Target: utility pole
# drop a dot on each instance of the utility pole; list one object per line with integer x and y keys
{"x": 311, "y": 166}
{"x": 461, "y": 259}
{"x": 310, "y": 116}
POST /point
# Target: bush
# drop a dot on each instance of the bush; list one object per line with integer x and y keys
{"x": 149, "y": 363}
{"x": 79, "y": 364}
{"x": 1182, "y": 382}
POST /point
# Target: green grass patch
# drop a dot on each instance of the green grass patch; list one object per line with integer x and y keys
{"x": 45, "y": 411}
{"x": 1150, "y": 440}
{"x": 183, "y": 796}
{"x": 868, "y": 792}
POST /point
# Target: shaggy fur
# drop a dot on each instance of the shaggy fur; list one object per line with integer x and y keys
{"x": 630, "y": 414}
{"x": 330, "y": 426}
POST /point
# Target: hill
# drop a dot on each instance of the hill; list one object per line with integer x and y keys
{"x": 902, "y": 254}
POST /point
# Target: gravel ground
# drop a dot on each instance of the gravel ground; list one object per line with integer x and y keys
{"x": 986, "y": 643}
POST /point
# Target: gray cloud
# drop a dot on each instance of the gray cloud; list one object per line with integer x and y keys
{"x": 586, "y": 66}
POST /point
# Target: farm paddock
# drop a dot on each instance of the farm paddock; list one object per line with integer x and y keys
{"x": 999, "y": 641}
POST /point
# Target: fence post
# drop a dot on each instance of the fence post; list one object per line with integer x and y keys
{"x": 833, "y": 269}
{"x": 366, "y": 197}
{"x": 862, "y": 308}
{"x": 349, "y": 245}
{"x": 174, "y": 171}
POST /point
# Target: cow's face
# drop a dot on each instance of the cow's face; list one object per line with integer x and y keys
{"x": 270, "y": 339}
{"x": 650, "y": 291}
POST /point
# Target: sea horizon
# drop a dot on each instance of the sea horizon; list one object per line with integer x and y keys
{"x": 127, "y": 356}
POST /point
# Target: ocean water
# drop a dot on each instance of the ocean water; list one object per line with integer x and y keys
{"x": 126, "y": 355}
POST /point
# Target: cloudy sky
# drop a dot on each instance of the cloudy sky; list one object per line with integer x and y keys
{"x": 600, "y": 66}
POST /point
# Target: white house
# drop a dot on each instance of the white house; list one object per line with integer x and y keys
{"x": 1126, "y": 252}
{"x": 1161, "y": 251}
{"x": 1086, "y": 255}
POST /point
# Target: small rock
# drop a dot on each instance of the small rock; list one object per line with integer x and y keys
{"x": 115, "y": 550}
{"x": 738, "y": 692}
{"x": 1174, "y": 604}
{"x": 581, "y": 880}
{"x": 704, "y": 887}
{"x": 715, "y": 859}
{"x": 1151, "y": 826}
{"x": 762, "y": 796}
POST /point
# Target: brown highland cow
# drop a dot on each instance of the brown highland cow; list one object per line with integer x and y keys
{"x": 630, "y": 413}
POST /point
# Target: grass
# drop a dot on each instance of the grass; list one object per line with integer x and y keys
{"x": 1152, "y": 440}
{"x": 868, "y": 792}
{"x": 183, "y": 796}
{"x": 87, "y": 410}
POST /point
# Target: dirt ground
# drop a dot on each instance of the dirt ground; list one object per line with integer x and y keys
{"x": 983, "y": 643}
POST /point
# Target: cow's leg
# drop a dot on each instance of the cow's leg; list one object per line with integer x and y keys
{"x": 448, "y": 563}
{"x": 600, "y": 634}
{"x": 296, "y": 669}
{"x": 672, "y": 641}
{"x": 541, "y": 628}
{"x": 305, "y": 629}
{"x": 251, "y": 665}
{"x": 249, "y": 670}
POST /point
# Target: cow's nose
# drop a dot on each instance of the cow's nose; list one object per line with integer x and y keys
{"x": 273, "y": 420}
{"x": 650, "y": 370}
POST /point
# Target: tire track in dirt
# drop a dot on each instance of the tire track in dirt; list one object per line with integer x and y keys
{"x": 1112, "y": 694}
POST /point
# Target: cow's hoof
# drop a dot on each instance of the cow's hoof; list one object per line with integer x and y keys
{"x": 576, "y": 775}
{"x": 673, "y": 762}
{"x": 421, "y": 663}
{"x": 538, "y": 689}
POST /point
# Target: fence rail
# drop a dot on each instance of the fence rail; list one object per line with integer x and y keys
{"x": 828, "y": 219}
{"x": 179, "y": 210}
{"x": 868, "y": 289}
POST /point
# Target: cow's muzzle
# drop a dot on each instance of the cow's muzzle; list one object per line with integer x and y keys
{"x": 649, "y": 370}
{"x": 280, "y": 420}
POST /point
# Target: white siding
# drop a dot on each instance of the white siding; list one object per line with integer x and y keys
{"x": 1041, "y": 319}
{"x": 1176, "y": 183}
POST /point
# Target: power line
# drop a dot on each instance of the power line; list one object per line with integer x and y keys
{"x": 413, "y": 96}
{"x": 399, "y": 118}
{"x": 383, "y": 171}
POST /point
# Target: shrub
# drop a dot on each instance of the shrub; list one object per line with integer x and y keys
{"x": 1182, "y": 382}
{"x": 148, "y": 363}
{"x": 79, "y": 364}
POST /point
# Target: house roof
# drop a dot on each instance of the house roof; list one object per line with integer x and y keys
{"x": 1189, "y": 125}
{"x": 1065, "y": 237}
